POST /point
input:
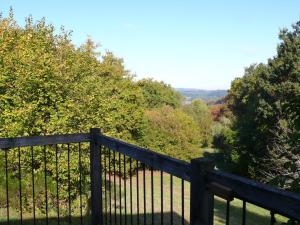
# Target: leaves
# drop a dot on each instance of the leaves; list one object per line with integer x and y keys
{"x": 265, "y": 103}
{"x": 158, "y": 94}
{"x": 48, "y": 86}
{"x": 172, "y": 132}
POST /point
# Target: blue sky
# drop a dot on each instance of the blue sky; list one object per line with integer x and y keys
{"x": 194, "y": 44}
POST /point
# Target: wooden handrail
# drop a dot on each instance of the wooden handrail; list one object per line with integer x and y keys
{"x": 153, "y": 159}
{"x": 268, "y": 197}
{"x": 6, "y": 143}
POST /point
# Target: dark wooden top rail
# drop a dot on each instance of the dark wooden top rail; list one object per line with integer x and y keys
{"x": 6, "y": 143}
{"x": 158, "y": 161}
{"x": 265, "y": 196}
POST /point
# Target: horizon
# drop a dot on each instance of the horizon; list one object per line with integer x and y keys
{"x": 218, "y": 39}
{"x": 201, "y": 89}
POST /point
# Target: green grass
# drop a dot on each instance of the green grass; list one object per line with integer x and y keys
{"x": 255, "y": 215}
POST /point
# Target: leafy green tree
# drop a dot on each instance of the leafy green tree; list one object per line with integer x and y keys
{"x": 158, "y": 94}
{"x": 200, "y": 112}
{"x": 172, "y": 132}
{"x": 49, "y": 86}
{"x": 265, "y": 103}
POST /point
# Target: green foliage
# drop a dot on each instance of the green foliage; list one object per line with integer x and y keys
{"x": 223, "y": 135}
{"x": 49, "y": 86}
{"x": 200, "y": 112}
{"x": 158, "y": 94}
{"x": 265, "y": 103}
{"x": 172, "y": 132}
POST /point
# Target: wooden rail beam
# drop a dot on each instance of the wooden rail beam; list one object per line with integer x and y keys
{"x": 202, "y": 200}
{"x": 6, "y": 143}
{"x": 157, "y": 161}
{"x": 268, "y": 197}
{"x": 96, "y": 181}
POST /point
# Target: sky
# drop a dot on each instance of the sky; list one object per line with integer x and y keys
{"x": 189, "y": 44}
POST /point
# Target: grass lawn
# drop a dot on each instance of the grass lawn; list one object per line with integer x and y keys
{"x": 255, "y": 215}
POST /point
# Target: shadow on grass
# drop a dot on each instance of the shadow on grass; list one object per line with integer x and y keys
{"x": 257, "y": 216}
{"x": 252, "y": 218}
{"x": 108, "y": 219}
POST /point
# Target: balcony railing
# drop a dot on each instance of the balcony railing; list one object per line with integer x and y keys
{"x": 90, "y": 178}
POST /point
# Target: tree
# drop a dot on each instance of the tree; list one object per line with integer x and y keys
{"x": 200, "y": 112}
{"x": 49, "y": 86}
{"x": 266, "y": 106}
{"x": 158, "y": 94}
{"x": 172, "y": 132}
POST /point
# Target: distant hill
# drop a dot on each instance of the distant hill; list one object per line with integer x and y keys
{"x": 206, "y": 95}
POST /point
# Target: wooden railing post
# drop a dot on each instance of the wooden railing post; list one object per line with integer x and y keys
{"x": 202, "y": 201}
{"x": 96, "y": 181}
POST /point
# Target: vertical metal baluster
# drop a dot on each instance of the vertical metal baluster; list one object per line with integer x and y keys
{"x": 33, "y": 191}
{"x": 182, "y": 201}
{"x": 109, "y": 185}
{"x": 273, "y": 220}
{"x": 244, "y": 213}
{"x": 137, "y": 193}
{"x": 57, "y": 185}
{"x": 120, "y": 189}
{"x": 115, "y": 194}
{"x": 105, "y": 186}
{"x": 125, "y": 195}
{"x": 20, "y": 187}
{"x": 161, "y": 198}
{"x": 227, "y": 212}
{"x": 69, "y": 185}
{"x": 46, "y": 191}
{"x": 144, "y": 186}
{"x": 130, "y": 180}
{"x": 80, "y": 182}
{"x": 152, "y": 197}
{"x": 101, "y": 177}
{"x": 6, "y": 180}
{"x": 171, "y": 198}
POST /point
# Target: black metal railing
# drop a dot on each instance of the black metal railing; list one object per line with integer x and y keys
{"x": 91, "y": 178}
{"x": 276, "y": 201}
{"x": 43, "y": 176}
{"x": 129, "y": 184}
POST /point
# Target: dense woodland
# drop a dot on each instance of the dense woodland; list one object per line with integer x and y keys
{"x": 50, "y": 86}
{"x": 265, "y": 104}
